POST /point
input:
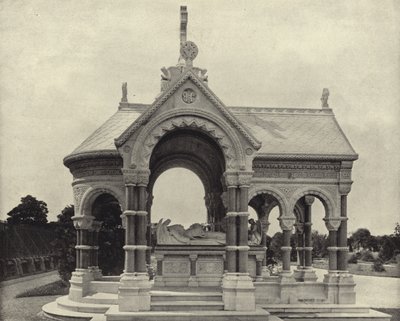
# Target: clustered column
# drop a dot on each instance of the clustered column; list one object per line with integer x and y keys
{"x": 342, "y": 236}
{"x": 136, "y": 225}
{"x": 237, "y": 222}
{"x": 300, "y": 244}
{"x": 308, "y": 201}
{"x": 84, "y": 244}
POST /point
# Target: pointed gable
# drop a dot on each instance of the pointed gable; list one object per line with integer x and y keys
{"x": 209, "y": 98}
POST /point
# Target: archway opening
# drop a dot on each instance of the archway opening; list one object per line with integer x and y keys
{"x": 107, "y": 209}
{"x": 178, "y": 195}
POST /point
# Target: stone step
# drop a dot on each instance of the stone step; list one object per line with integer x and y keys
{"x": 65, "y": 303}
{"x": 315, "y": 308}
{"x": 101, "y": 298}
{"x": 113, "y": 314}
{"x": 104, "y": 286}
{"x": 54, "y": 312}
{"x": 163, "y": 296}
{"x": 187, "y": 306}
{"x": 371, "y": 315}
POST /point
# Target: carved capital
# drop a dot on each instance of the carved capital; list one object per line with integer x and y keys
{"x": 96, "y": 226}
{"x": 244, "y": 178}
{"x": 143, "y": 177}
{"x": 83, "y": 222}
{"x": 286, "y": 223}
{"x": 308, "y": 200}
{"x": 332, "y": 223}
{"x": 299, "y": 228}
{"x": 231, "y": 179}
{"x": 130, "y": 176}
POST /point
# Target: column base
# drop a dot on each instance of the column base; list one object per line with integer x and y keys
{"x": 97, "y": 274}
{"x": 193, "y": 281}
{"x": 305, "y": 274}
{"x": 80, "y": 284}
{"x": 134, "y": 292}
{"x": 339, "y": 287}
{"x": 265, "y": 273}
{"x": 287, "y": 288}
{"x": 238, "y": 292}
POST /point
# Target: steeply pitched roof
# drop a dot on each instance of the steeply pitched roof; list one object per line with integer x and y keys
{"x": 282, "y": 131}
{"x": 296, "y": 131}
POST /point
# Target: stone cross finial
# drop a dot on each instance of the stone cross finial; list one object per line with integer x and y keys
{"x": 184, "y": 21}
{"x": 124, "y": 98}
{"x": 324, "y": 98}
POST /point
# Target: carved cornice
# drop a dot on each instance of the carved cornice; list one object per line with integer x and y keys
{"x": 90, "y": 155}
{"x": 319, "y": 157}
{"x": 168, "y": 93}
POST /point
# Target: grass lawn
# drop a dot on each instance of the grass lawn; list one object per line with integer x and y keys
{"x": 395, "y": 313}
{"x": 54, "y": 288}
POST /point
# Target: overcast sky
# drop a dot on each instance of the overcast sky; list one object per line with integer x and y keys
{"x": 63, "y": 62}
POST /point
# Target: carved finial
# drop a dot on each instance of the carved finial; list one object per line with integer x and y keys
{"x": 324, "y": 98}
{"x": 124, "y": 98}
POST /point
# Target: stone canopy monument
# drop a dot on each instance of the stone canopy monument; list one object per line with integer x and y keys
{"x": 244, "y": 156}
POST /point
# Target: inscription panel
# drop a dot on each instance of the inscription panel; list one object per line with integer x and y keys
{"x": 174, "y": 267}
{"x": 212, "y": 266}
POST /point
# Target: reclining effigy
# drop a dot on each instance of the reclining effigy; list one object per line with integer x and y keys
{"x": 195, "y": 235}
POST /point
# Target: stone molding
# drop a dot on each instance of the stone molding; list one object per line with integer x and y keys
{"x": 139, "y": 177}
{"x": 83, "y": 222}
{"x": 97, "y": 189}
{"x": 202, "y": 120}
{"x": 333, "y": 223}
{"x": 143, "y": 119}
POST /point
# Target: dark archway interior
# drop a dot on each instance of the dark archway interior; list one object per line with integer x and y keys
{"x": 198, "y": 152}
{"x": 107, "y": 209}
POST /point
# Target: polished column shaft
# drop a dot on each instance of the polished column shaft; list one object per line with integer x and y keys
{"x": 342, "y": 236}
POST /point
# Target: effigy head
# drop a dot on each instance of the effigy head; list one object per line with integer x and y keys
{"x": 195, "y": 231}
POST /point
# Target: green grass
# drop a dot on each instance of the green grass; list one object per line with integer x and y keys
{"x": 54, "y": 288}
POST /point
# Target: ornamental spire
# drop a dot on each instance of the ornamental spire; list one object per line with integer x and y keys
{"x": 188, "y": 49}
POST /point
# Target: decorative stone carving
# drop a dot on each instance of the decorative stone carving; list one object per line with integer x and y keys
{"x": 231, "y": 179}
{"x": 176, "y": 267}
{"x": 189, "y": 96}
{"x": 324, "y": 98}
{"x": 194, "y": 235}
{"x": 78, "y": 193}
{"x": 124, "y": 98}
{"x": 309, "y": 200}
{"x": 287, "y": 223}
{"x": 244, "y": 178}
{"x": 83, "y": 222}
{"x": 189, "y": 51}
{"x": 332, "y": 223}
{"x": 210, "y": 267}
{"x": 296, "y": 170}
{"x": 159, "y": 102}
{"x": 150, "y": 136}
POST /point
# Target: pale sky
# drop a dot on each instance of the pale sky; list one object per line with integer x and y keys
{"x": 63, "y": 62}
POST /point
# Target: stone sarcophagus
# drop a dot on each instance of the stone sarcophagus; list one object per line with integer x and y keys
{"x": 188, "y": 265}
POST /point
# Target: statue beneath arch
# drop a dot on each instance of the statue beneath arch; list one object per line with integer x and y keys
{"x": 194, "y": 235}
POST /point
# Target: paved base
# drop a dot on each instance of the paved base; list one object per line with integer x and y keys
{"x": 113, "y": 314}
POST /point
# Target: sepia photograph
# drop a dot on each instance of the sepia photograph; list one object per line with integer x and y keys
{"x": 199, "y": 160}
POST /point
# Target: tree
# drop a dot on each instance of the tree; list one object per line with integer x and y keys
{"x": 65, "y": 243}
{"x": 320, "y": 244}
{"x": 29, "y": 211}
{"x": 361, "y": 239}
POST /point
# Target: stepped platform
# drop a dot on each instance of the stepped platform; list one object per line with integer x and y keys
{"x": 203, "y": 303}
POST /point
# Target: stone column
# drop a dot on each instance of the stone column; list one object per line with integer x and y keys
{"x": 342, "y": 236}
{"x": 298, "y": 272}
{"x": 149, "y": 203}
{"x": 134, "y": 289}
{"x": 309, "y": 274}
{"x": 193, "y": 278}
{"x": 237, "y": 285}
{"x": 94, "y": 260}
{"x": 80, "y": 279}
{"x": 286, "y": 223}
{"x": 231, "y": 230}
{"x": 332, "y": 249}
{"x": 243, "y": 229}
